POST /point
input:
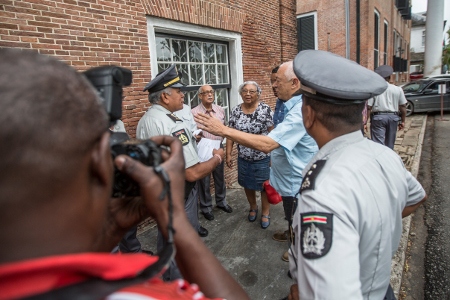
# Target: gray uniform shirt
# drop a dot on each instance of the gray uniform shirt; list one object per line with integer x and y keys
{"x": 160, "y": 121}
{"x": 348, "y": 223}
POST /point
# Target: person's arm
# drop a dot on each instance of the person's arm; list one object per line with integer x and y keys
{"x": 229, "y": 149}
{"x": 402, "y": 109}
{"x": 255, "y": 141}
{"x": 200, "y": 170}
{"x": 412, "y": 208}
{"x": 195, "y": 261}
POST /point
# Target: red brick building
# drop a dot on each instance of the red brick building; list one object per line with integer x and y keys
{"x": 219, "y": 42}
{"x": 370, "y": 32}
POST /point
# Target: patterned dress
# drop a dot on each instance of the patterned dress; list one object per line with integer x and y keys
{"x": 257, "y": 122}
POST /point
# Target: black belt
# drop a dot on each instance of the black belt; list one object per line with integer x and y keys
{"x": 384, "y": 113}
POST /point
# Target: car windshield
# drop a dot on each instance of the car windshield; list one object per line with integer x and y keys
{"x": 415, "y": 86}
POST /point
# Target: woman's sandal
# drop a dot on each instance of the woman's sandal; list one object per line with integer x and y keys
{"x": 250, "y": 217}
{"x": 264, "y": 225}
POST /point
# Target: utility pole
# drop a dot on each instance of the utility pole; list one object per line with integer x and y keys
{"x": 433, "y": 37}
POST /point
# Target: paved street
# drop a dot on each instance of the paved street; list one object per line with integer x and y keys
{"x": 427, "y": 268}
{"x": 250, "y": 254}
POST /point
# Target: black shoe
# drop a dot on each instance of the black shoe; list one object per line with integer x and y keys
{"x": 208, "y": 215}
{"x": 289, "y": 274}
{"x": 226, "y": 208}
{"x": 202, "y": 231}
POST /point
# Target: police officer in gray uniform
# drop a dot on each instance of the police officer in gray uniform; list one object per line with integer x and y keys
{"x": 386, "y": 110}
{"x": 166, "y": 97}
{"x": 354, "y": 192}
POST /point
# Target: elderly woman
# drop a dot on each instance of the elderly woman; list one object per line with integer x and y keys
{"x": 252, "y": 116}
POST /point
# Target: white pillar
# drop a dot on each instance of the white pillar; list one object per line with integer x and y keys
{"x": 433, "y": 39}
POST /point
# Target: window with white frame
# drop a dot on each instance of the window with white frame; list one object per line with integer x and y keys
{"x": 423, "y": 38}
{"x": 203, "y": 55}
{"x": 200, "y": 62}
{"x": 376, "y": 40}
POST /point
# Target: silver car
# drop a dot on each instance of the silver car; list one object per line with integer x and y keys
{"x": 422, "y": 95}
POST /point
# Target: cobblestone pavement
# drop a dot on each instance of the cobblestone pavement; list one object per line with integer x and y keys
{"x": 251, "y": 255}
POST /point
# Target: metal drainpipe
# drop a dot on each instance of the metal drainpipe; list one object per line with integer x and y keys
{"x": 358, "y": 29}
{"x": 281, "y": 36}
{"x": 347, "y": 29}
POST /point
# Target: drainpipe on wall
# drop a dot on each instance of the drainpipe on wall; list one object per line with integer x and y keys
{"x": 358, "y": 29}
{"x": 347, "y": 29}
{"x": 280, "y": 9}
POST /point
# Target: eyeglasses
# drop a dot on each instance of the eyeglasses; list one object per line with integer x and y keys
{"x": 207, "y": 92}
{"x": 252, "y": 92}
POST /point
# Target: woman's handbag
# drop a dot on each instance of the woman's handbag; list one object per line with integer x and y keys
{"x": 272, "y": 194}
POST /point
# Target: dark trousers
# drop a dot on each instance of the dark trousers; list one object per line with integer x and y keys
{"x": 383, "y": 129}
{"x": 219, "y": 186}
{"x": 289, "y": 205}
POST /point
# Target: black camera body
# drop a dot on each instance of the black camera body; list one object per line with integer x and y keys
{"x": 109, "y": 82}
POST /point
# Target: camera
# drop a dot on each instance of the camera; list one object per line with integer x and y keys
{"x": 109, "y": 82}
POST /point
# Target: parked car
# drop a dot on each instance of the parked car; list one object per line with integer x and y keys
{"x": 415, "y": 76}
{"x": 422, "y": 95}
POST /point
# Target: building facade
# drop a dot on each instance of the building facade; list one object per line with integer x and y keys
{"x": 218, "y": 42}
{"x": 372, "y": 33}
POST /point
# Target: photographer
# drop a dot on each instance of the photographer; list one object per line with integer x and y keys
{"x": 57, "y": 220}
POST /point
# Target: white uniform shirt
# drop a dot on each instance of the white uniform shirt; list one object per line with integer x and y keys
{"x": 348, "y": 222}
{"x": 186, "y": 115}
{"x": 389, "y": 100}
{"x": 160, "y": 121}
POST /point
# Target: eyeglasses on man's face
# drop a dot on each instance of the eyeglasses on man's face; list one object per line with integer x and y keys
{"x": 207, "y": 92}
{"x": 252, "y": 92}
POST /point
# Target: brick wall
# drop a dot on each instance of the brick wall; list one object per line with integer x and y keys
{"x": 331, "y": 27}
{"x": 94, "y": 32}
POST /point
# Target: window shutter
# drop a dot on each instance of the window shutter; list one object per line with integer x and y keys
{"x": 305, "y": 31}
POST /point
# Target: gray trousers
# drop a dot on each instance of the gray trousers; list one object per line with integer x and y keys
{"x": 383, "y": 129}
{"x": 219, "y": 186}
{"x": 191, "y": 209}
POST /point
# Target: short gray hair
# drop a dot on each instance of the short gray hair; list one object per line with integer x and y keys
{"x": 258, "y": 88}
{"x": 289, "y": 72}
{"x": 154, "y": 98}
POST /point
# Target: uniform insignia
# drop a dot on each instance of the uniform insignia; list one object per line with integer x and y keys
{"x": 182, "y": 136}
{"x": 174, "y": 118}
{"x": 309, "y": 180}
{"x": 316, "y": 234}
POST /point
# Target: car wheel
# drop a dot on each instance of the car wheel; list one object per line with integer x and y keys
{"x": 409, "y": 108}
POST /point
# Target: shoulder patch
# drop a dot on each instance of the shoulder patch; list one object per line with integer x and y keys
{"x": 309, "y": 181}
{"x": 182, "y": 136}
{"x": 174, "y": 118}
{"x": 316, "y": 234}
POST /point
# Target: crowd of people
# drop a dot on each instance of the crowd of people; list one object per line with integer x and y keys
{"x": 343, "y": 195}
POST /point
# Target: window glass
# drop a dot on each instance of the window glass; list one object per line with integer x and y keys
{"x": 200, "y": 62}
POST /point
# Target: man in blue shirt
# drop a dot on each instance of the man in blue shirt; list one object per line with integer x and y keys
{"x": 290, "y": 146}
{"x": 278, "y": 115}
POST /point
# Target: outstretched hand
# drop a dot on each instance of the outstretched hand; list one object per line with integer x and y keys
{"x": 210, "y": 124}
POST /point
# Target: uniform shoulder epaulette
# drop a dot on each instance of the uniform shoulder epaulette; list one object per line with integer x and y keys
{"x": 174, "y": 118}
{"x": 309, "y": 180}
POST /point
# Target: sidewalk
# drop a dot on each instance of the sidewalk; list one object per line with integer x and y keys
{"x": 250, "y": 254}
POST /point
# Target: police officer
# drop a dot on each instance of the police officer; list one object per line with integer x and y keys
{"x": 386, "y": 110}
{"x": 354, "y": 192}
{"x": 166, "y": 97}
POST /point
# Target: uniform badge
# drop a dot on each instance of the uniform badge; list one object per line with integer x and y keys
{"x": 174, "y": 118}
{"x": 316, "y": 234}
{"x": 182, "y": 136}
{"x": 309, "y": 180}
